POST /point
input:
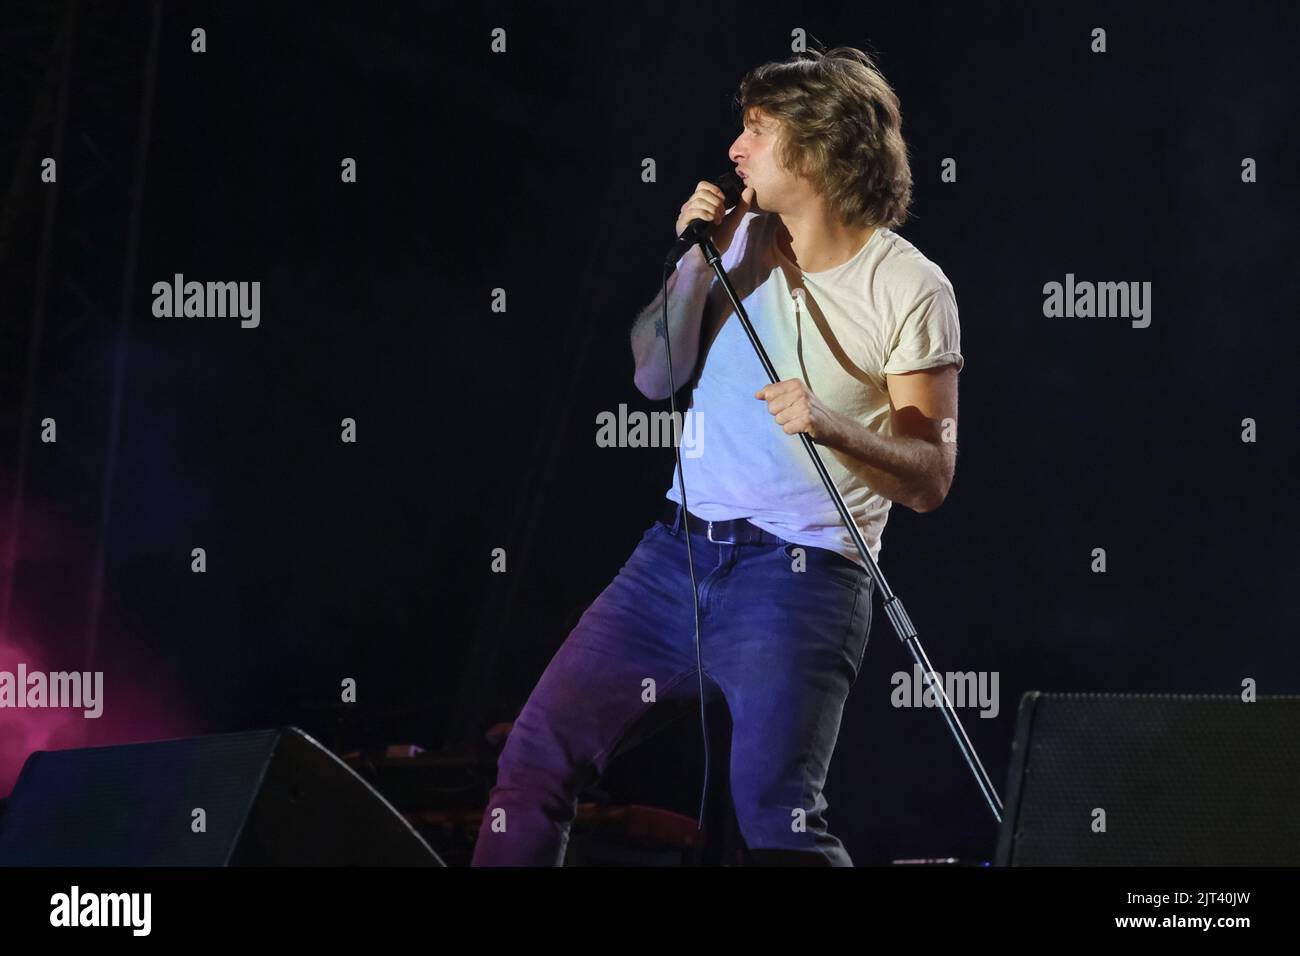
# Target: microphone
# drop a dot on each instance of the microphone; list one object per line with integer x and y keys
{"x": 698, "y": 229}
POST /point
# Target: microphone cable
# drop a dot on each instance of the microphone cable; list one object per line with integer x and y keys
{"x": 690, "y": 558}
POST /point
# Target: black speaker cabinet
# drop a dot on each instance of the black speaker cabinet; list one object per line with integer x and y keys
{"x": 1153, "y": 780}
{"x": 264, "y": 798}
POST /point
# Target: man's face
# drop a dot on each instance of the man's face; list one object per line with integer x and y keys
{"x": 754, "y": 153}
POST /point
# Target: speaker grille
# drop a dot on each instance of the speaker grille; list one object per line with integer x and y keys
{"x": 272, "y": 797}
{"x": 1183, "y": 780}
{"x": 132, "y": 805}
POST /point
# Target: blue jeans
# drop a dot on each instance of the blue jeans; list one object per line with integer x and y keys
{"x": 783, "y": 646}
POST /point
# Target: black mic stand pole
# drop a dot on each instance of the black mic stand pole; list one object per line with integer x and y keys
{"x": 893, "y": 606}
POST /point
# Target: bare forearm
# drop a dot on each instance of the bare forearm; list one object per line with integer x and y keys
{"x": 911, "y": 471}
{"x": 688, "y": 288}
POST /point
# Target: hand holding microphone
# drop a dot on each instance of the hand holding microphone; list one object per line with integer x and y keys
{"x": 704, "y": 214}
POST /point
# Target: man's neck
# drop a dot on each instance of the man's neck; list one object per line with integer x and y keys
{"x": 817, "y": 241}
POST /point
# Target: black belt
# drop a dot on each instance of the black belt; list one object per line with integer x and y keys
{"x": 733, "y": 531}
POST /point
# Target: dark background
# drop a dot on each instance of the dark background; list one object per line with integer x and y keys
{"x": 476, "y": 429}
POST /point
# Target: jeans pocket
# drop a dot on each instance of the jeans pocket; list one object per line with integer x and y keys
{"x": 829, "y": 564}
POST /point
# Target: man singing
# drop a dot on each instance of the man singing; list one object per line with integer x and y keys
{"x": 863, "y": 332}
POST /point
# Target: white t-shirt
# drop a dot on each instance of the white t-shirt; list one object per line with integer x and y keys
{"x": 889, "y": 309}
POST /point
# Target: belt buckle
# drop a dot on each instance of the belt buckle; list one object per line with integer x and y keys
{"x": 715, "y": 540}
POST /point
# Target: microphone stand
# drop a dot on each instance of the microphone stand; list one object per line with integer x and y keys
{"x": 893, "y": 606}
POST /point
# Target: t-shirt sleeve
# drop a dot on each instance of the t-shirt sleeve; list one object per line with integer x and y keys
{"x": 930, "y": 335}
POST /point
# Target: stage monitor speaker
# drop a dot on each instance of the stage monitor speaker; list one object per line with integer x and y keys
{"x": 263, "y": 798}
{"x": 1153, "y": 780}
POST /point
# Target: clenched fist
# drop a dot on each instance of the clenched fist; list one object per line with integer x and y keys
{"x": 707, "y": 202}
{"x": 797, "y": 409}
